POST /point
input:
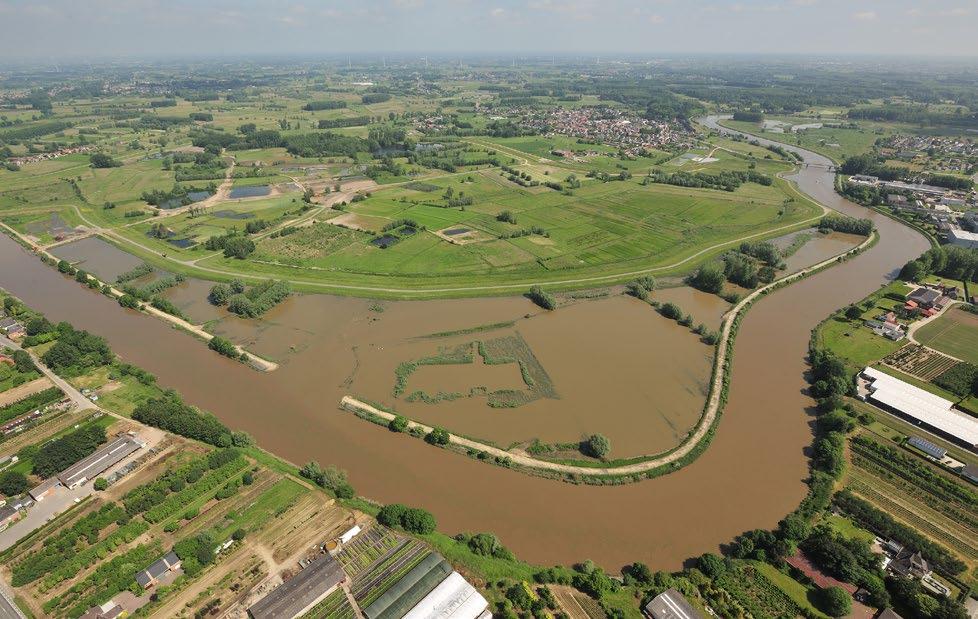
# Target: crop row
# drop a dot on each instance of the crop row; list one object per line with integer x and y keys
{"x": 180, "y": 500}
{"x": 870, "y": 490}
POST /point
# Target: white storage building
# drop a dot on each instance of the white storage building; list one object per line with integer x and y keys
{"x": 927, "y": 408}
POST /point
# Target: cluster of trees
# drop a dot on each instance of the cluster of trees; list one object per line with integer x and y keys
{"x": 101, "y": 160}
{"x": 170, "y": 413}
{"x": 915, "y": 114}
{"x": 727, "y": 180}
{"x": 515, "y": 234}
{"x": 331, "y": 478}
{"x": 596, "y": 445}
{"x": 710, "y": 277}
{"x": 232, "y": 243}
{"x": 224, "y": 347}
{"x": 848, "y": 559}
{"x": 507, "y": 216}
{"x": 313, "y": 106}
{"x": 849, "y": 225}
{"x": 303, "y": 145}
{"x": 948, "y": 261}
{"x": 542, "y": 298}
{"x": 748, "y": 116}
{"x": 485, "y": 545}
{"x": 61, "y": 453}
{"x": 34, "y": 130}
{"x": 75, "y": 351}
{"x": 870, "y": 164}
{"x": 336, "y": 123}
{"x": 744, "y": 270}
{"x": 641, "y": 288}
{"x": 13, "y": 483}
{"x": 253, "y": 302}
{"x": 411, "y": 519}
{"x": 375, "y": 97}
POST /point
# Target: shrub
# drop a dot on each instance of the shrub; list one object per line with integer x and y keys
{"x": 542, "y": 298}
{"x": 835, "y": 601}
{"x": 390, "y": 515}
{"x": 223, "y": 346}
{"x": 417, "y": 520}
{"x": 708, "y": 278}
{"x": 398, "y": 424}
{"x": 597, "y": 445}
{"x": 129, "y": 301}
{"x": 100, "y": 484}
{"x": 437, "y": 436}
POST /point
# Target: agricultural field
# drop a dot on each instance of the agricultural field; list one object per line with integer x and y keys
{"x": 955, "y": 333}
{"x": 600, "y": 226}
{"x": 184, "y": 497}
{"x": 927, "y": 498}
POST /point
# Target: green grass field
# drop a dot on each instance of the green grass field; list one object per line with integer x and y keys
{"x": 954, "y": 333}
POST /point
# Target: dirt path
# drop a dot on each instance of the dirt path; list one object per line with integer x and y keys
{"x": 22, "y": 391}
{"x": 712, "y": 410}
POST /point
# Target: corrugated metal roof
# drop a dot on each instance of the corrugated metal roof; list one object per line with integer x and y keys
{"x": 922, "y": 405}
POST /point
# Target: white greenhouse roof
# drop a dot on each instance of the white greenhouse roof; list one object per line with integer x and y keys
{"x": 454, "y": 597}
{"x": 922, "y": 405}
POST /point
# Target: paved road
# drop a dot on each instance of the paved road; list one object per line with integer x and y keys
{"x": 8, "y": 610}
{"x": 80, "y": 401}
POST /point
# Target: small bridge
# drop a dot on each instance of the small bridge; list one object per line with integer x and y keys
{"x": 824, "y": 166}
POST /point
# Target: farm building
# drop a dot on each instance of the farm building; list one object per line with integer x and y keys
{"x": 44, "y": 488}
{"x": 90, "y": 467}
{"x": 453, "y": 598}
{"x": 8, "y": 516}
{"x": 970, "y": 472}
{"x": 152, "y": 574}
{"x": 922, "y": 407}
{"x": 670, "y": 604}
{"x": 301, "y": 592}
{"x": 934, "y": 451}
{"x": 109, "y": 610}
{"x": 410, "y": 589}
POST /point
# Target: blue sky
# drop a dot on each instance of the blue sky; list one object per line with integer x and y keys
{"x": 86, "y": 28}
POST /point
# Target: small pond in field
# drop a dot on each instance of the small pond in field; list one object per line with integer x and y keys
{"x": 250, "y": 192}
{"x": 385, "y": 241}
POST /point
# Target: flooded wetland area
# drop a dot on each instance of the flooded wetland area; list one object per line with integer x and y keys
{"x": 614, "y": 366}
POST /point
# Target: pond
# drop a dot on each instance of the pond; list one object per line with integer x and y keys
{"x": 455, "y": 231}
{"x": 385, "y": 241}
{"x": 193, "y": 196}
{"x": 182, "y": 243}
{"x": 249, "y": 192}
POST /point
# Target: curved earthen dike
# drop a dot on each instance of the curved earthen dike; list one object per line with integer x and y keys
{"x": 750, "y": 477}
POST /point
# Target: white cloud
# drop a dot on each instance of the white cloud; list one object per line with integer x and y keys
{"x": 864, "y": 16}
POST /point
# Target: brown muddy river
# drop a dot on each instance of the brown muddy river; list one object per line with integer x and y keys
{"x": 750, "y": 477}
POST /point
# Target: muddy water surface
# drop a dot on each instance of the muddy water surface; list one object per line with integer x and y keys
{"x": 751, "y": 475}
{"x": 607, "y": 360}
{"x": 98, "y": 257}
